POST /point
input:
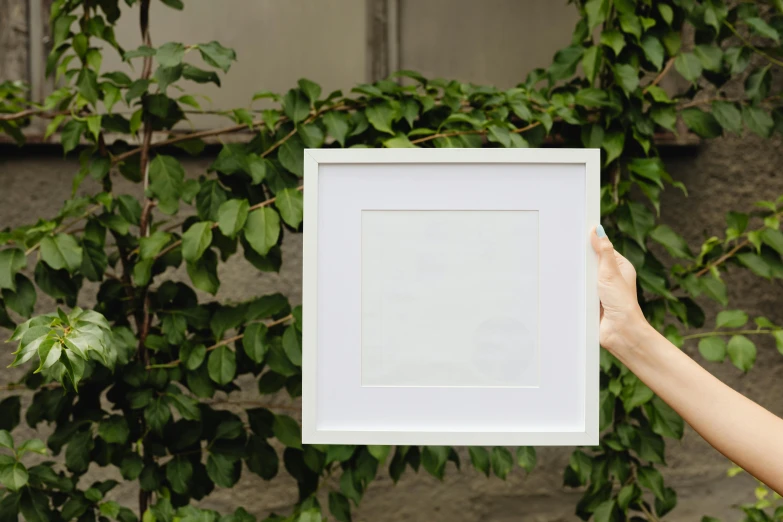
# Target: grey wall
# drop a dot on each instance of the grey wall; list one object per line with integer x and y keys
{"x": 729, "y": 173}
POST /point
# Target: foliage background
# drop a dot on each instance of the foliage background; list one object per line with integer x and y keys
{"x": 746, "y": 154}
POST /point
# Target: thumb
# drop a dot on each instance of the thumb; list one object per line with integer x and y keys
{"x": 607, "y": 262}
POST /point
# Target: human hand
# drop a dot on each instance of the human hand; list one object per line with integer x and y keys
{"x": 622, "y": 320}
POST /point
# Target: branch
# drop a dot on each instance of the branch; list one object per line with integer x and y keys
{"x": 257, "y": 404}
{"x": 720, "y": 333}
{"x": 217, "y": 345}
{"x": 722, "y": 259}
{"x": 41, "y": 113}
{"x": 472, "y": 131}
{"x": 660, "y": 76}
{"x": 752, "y": 47}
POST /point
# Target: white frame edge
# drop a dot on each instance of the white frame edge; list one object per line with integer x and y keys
{"x": 591, "y": 158}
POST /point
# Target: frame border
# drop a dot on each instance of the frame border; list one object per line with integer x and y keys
{"x": 590, "y": 158}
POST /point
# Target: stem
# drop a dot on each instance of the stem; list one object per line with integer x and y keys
{"x": 224, "y": 342}
{"x": 472, "y": 131}
{"x": 143, "y": 325}
{"x": 723, "y": 258}
{"x": 752, "y": 47}
{"x": 660, "y": 76}
{"x": 722, "y": 333}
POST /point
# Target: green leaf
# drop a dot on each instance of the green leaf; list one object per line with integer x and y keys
{"x": 689, "y": 66}
{"x": 663, "y": 420}
{"x": 674, "y": 243}
{"x": 658, "y": 94}
{"x": 339, "y": 506}
{"x": 762, "y": 28}
{"x": 526, "y": 458}
{"x": 167, "y": 180}
{"x": 665, "y": 116}
{"x": 731, "y": 319}
{"x": 605, "y": 511}
{"x": 479, "y": 457}
{"x": 61, "y": 252}
{"x": 635, "y": 220}
{"x": 380, "y": 116}
{"x": 630, "y": 24}
{"x": 291, "y": 156}
{"x": 216, "y": 55}
{"x": 591, "y": 97}
{"x": 710, "y": 56}
{"x": 223, "y": 470}
{"x": 232, "y": 215}
{"x": 254, "y": 342}
{"x": 262, "y": 229}
{"x": 13, "y": 476}
{"x": 772, "y": 238}
{"x": 179, "y": 471}
{"x": 714, "y": 288}
{"x": 150, "y": 246}
{"x": 502, "y": 461}
{"x": 290, "y": 203}
{"x": 157, "y": 414}
{"x": 12, "y": 260}
{"x": 713, "y": 348}
{"x": 757, "y": 264}
{"x": 337, "y": 126}
{"x": 613, "y": 144}
{"x": 728, "y": 115}
{"x": 666, "y": 13}
{"x": 596, "y": 12}
{"x": 433, "y": 459}
{"x": 649, "y": 168}
{"x": 222, "y": 365}
{"x": 6, "y": 441}
{"x": 742, "y": 352}
{"x": 651, "y": 479}
{"x": 196, "y": 240}
{"x": 738, "y": 59}
{"x": 653, "y": 50}
{"x": 170, "y": 54}
{"x": 203, "y": 273}
{"x": 287, "y": 431}
{"x": 400, "y": 141}
{"x": 296, "y": 105}
{"x": 186, "y": 406}
{"x": 702, "y": 123}
{"x": 88, "y": 85}
{"x": 114, "y": 430}
{"x": 758, "y": 120}
{"x": 757, "y": 84}
{"x": 311, "y": 134}
{"x": 565, "y": 62}
{"x": 71, "y": 134}
{"x": 591, "y": 63}
{"x": 292, "y": 345}
{"x": 77, "y": 454}
{"x": 614, "y": 40}
{"x": 311, "y": 89}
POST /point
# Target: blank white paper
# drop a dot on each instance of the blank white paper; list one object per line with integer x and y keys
{"x": 450, "y": 298}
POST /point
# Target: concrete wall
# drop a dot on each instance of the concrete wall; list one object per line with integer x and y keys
{"x": 729, "y": 173}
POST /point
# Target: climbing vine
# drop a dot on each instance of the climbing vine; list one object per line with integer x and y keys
{"x": 145, "y": 381}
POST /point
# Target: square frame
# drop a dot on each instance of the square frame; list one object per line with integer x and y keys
{"x": 586, "y": 433}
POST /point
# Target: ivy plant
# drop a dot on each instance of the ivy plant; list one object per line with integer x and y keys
{"x": 139, "y": 381}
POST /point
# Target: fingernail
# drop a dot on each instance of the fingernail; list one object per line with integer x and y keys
{"x": 599, "y": 231}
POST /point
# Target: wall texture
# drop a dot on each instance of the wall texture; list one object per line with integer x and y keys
{"x": 728, "y": 173}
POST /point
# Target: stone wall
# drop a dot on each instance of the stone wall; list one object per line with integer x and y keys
{"x": 729, "y": 173}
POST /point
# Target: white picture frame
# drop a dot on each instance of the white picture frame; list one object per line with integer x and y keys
{"x": 379, "y": 319}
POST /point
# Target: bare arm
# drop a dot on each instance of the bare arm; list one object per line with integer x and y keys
{"x": 740, "y": 429}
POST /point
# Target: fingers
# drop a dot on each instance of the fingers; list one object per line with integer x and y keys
{"x": 607, "y": 262}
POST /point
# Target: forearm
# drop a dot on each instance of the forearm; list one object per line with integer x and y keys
{"x": 743, "y": 431}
